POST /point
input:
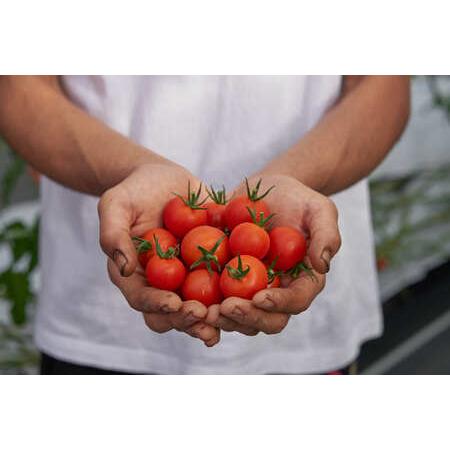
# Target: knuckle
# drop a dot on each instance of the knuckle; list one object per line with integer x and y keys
{"x": 107, "y": 240}
{"x": 332, "y": 206}
{"x": 104, "y": 200}
{"x": 336, "y": 241}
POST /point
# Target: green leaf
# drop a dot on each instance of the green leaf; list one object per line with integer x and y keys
{"x": 16, "y": 288}
{"x": 34, "y": 246}
{"x": 9, "y": 180}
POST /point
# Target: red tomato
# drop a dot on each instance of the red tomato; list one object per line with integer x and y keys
{"x": 202, "y": 286}
{"x": 287, "y": 247}
{"x": 216, "y": 208}
{"x": 165, "y": 238}
{"x": 181, "y": 214}
{"x": 216, "y": 215}
{"x": 243, "y": 277}
{"x": 179, "y": 217}
{"x": 236, "y": 211}
{"x": 213, "y": 252}
{"x": 167, "y": 274}
{"x": 273, "y": 275}
{"x": 249, "y": 239}
{"x": 276, "y": 282}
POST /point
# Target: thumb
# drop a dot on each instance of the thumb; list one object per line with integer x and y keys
{"x": 325, "y": 239}
{"x": 115, "y": 218}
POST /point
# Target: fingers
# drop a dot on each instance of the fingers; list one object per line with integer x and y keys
{"x": 115, "y": 217}
{"x": 193, "y": 322}
{"x": 217, "y": 320}
{"x": 208, "y": 334}
{"x": 245, "y": 313}
{"x": 294, "y": 299}
{"x": 159, "y": 323}
{"x": 321, "y": 221}
{"x": 142, "y": 297}
{"x": 191, "y": 312}
{"x": 164, "y": 310}
{"x": 188, "y": 319}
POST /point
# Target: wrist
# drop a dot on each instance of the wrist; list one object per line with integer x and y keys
{"x": 303, "y": 176}
{"x": 138, "y": 157}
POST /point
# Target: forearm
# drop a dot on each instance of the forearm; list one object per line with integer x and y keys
{"x": 62, "y": 141}
{"x": 352, "y": 138}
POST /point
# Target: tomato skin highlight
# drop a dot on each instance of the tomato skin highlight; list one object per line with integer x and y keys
{"x": 180, "y": 218}
{"x": 167, "y": 274}
{"x": 202, "y": 286}
{"x": 249, "y": 239}
{"x": 246, "y": 287}
{"x": 216, "y": 215}
{"x": 204, "y": 236}
{"x": 287, "y": 246}
{"x": 165, "y": 238}
{"x": 236, "y": 211}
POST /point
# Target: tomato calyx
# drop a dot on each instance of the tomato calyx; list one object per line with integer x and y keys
{"x": 260, "y": 220}
{"x": 169, "y": 254}
{"x": 219, "y": 197}
{"x": 252, "y": 194}
{"x": 208, "y": 257}
{"x": 272, "y": 273}
{"x": 239, "y": 272}
{"x": 302, "y": 267}
{"x": 142, "y": 245}
{"x": 192, "y": 198}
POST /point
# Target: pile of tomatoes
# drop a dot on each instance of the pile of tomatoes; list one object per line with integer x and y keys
{"x": 213, "y": 249}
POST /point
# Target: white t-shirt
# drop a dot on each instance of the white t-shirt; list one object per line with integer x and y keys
{"x": 221, "y": 128}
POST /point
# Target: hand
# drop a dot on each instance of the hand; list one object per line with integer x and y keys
{"x": 129, "y": 209}
{"x": 270, "y": 309}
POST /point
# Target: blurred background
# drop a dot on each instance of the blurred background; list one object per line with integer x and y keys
{"x": 410, "y": 195}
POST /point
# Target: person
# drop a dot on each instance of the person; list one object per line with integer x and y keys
{"x": 133, "y": 141}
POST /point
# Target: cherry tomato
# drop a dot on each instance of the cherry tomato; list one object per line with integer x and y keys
{"x": 249, "y": 239}
{"x": 205, "y": 247}
{"x": 273, "y": 275}
{"x": 216, "y": 215}
{"x": 181, "y": 214}
{"x": 243, "y": 277}
{"x": 287, "y": 247}
{"x": 202, "y": 286}
{"x": 216, "y": 208}
{"x": 167, "y": 274}
{"x": 237, "y": 210}
{"x": 276, "y": 282}
{"x": 147, "y": 243}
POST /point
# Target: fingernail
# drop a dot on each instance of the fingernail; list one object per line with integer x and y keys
{"x": 326, "y": 257}
{"x": 237, "y": 312}
{"x": 120, "y": 260}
